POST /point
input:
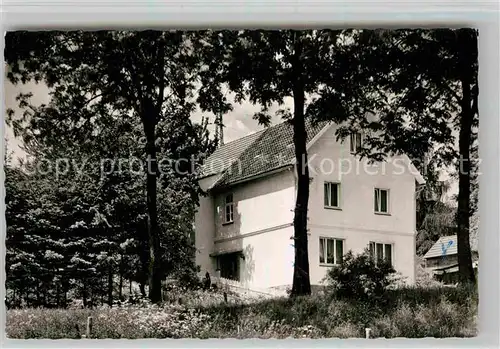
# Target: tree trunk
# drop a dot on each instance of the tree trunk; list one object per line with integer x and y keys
{"x": 102, "y": 291}
{"x": 58, "y": 294}
{"x": 24, "y": 295}
{"x": 27, "y": 298}
{"x": 466, "y": 44}
{"x": 301, "y": 282}
{"x": 45, "y": 296}
{"x": 142, "y": 288}
{"x": 143, "y": 273}
{"x": 110, "y": 286}
{"x": 120, "y": 284}
{"x": 64, "y": 293}
{"x": 84, "y": 294}
{"x": 38, "y": 295}
{"x": 149, "y": 121}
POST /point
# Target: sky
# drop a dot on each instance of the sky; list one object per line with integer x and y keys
{"x": 40, "y": 95}
{"x": 238, "y": 123}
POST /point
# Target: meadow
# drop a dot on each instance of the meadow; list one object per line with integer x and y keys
{"x": 413, "y": 312}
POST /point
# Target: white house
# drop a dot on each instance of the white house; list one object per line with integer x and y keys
{"x": 244, "y": 224}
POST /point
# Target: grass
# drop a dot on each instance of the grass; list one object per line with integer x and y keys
{"x": 406, "y": 312}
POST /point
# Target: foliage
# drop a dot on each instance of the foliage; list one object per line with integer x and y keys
{"x": 68, "y": 231}
{"x": 421, "y": 84}
{"x": 102, "y": 78}
{"x": 437, "y": 321}
{"x": 267, "y": 67}
{"x": 423, "y": 277}
{"x": 438, "y": 221}
{"x": 410, "y": 312}
{"x": 360, "y": 277}
{"x": 76, "y": 231}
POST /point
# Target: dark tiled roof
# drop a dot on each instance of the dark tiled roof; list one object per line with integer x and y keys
{"x": 272, "y": 149}
{"x": 448, "y": 243}
{"x": 223, "y": 156}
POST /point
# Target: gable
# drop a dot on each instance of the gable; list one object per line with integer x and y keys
{"x": 327, "y": 148}
{"x": 449, "y": 243}
{"x": 445, "y": 246}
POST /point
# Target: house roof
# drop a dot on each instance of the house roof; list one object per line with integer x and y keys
{"x": 270, "y": 150}
{"x": 260, "y": 153}
{"x": 226, "y": 154}
{"x": 445, "y": 246}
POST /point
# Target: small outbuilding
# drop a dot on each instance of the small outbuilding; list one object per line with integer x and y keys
{"x": 442, "y": 259}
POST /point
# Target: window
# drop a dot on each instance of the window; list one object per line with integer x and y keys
{"x": 228, "y": 265}
{"x": 355, "y": 142}
{"x": 332, "y": 195}
{"x": 228, "y": 209}
{"x": 381, "y": 252}
{"x": 330, "y": 251}
{"x": 381, "y": 197}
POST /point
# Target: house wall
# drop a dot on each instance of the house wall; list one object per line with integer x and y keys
{"x": 268, "y": 257}
{"x": 263, "y": 214}
{"x": 441, "y": 261}
{"x": 356, "y": 221}
{"x": 205, "y": 228}
{"x": 356, "y": 239}
{"x": 260, "y": 204}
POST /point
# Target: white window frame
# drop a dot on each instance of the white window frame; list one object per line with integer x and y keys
{"x": 377, "y": 208}
{"x": 228, "y": 209}
{"x": 384, "y": 256}
{"x": 325, "y": 250}
{"x": 329, "y": 192}
{"x": 353, "y": 142}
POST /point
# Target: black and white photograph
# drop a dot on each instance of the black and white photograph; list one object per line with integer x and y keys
{"x": 242, "y": 183}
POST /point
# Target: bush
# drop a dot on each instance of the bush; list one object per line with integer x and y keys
{"x": 440, "y": 319}
{"x": 424, "y": 277}
{"x": 359, "y": 277}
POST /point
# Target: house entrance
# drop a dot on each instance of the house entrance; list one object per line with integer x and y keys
{"x": 228, "y": 265}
